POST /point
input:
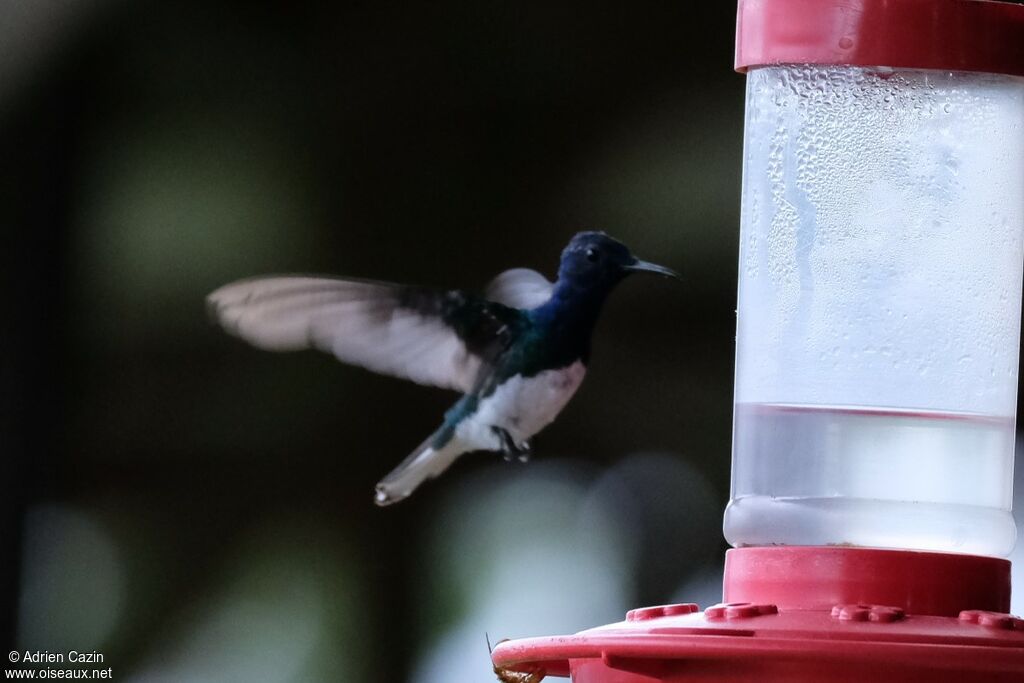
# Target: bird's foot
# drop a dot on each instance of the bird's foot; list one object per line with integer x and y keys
{"x": 525, "y": 451}
{"x": 509, "y": 448}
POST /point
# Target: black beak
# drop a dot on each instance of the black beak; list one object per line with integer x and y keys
{"x": 639, "y": 266}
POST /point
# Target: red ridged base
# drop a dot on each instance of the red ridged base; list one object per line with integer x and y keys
{"x": 805, "y": 615}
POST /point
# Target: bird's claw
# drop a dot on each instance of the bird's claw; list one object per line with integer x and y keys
{"x": 510, "y": 449}
{"x": 525, "y": 451}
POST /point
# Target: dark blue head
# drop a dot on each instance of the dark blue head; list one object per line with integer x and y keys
{"x": 591, "y": 266}
{"x": 595, "y": 262}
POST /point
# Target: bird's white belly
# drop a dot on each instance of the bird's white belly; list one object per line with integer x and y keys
{"x": 522, "y": 406}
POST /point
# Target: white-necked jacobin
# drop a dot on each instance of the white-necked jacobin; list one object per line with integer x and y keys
{"x": 517, "y": 353}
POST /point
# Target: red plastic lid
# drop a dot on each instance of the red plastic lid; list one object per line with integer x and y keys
{"x": 950, "y": 35}
{"x": 811, "y": 577}
{"x": 806, "y": 615}
{"x": 764, "y": 643}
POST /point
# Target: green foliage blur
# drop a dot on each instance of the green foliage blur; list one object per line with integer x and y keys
{"x": 198, "y": 510}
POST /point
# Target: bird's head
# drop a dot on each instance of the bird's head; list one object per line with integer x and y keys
{"x": 593, "y": 260}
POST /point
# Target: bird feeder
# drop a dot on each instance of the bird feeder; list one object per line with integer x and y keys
{"x": 881, "y": 252}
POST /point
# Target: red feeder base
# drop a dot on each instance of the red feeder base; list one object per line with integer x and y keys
{"x": 808, "y": 614}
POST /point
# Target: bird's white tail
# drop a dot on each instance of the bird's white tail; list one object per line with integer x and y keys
{"x": 426, "y": 462}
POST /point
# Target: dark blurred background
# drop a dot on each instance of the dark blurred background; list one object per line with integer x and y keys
{"x": 197, "y": 510}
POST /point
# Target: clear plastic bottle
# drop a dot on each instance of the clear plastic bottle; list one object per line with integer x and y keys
{"x": 879, "y": 309}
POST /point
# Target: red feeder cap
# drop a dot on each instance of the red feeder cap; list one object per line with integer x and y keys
{"x": 803, "y": 577}
{"x": 948, "y": 35}
{"x": 806, "y": 615}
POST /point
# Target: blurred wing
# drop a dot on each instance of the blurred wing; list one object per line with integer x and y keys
{"x": 520, "y": 288}
{"x": 434, "y": 337}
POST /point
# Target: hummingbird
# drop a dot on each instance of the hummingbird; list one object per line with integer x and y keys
{"x": 517, "y": 353}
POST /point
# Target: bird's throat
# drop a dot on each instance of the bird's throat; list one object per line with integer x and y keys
{"x": 568, "y": 318}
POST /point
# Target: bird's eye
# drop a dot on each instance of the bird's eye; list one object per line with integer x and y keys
{"x": 593, "y": 255}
